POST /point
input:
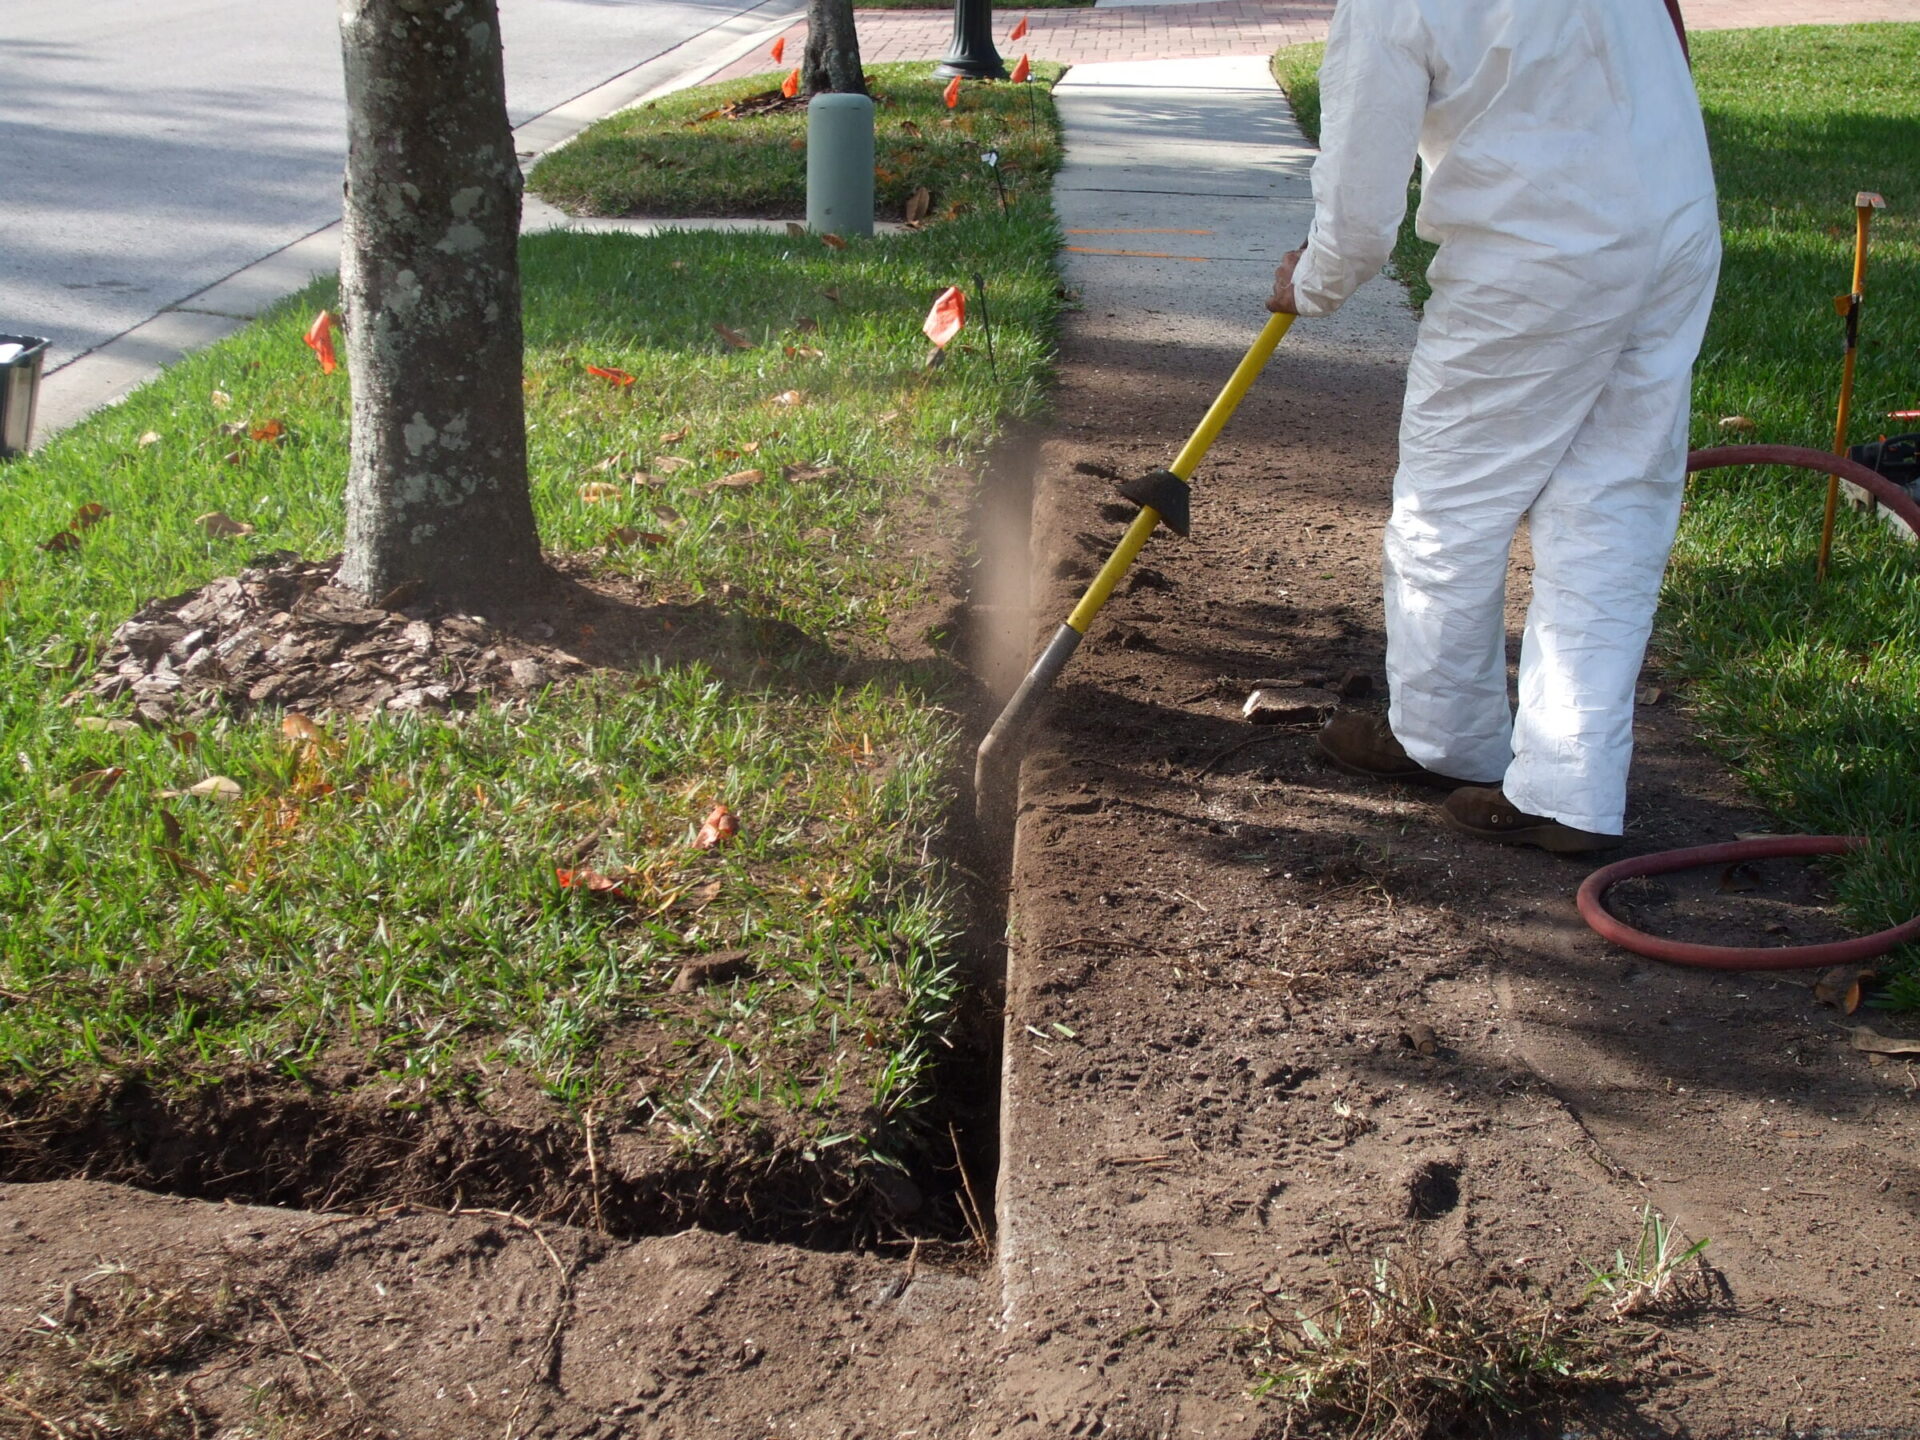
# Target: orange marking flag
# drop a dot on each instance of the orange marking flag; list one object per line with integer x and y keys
{"x": 320, "y": 340}
{"x": 1020, "y": 30}
{"x": 790, "y": 86}
{"x": 949, "y": 313}
{"x": 952, "y": 92}
{"x": 1021, "y": 71}
{"x": 779, "y": 50}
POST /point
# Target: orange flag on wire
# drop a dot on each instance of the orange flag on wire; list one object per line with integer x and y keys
{"x": 1021, "y": 71}
{"x": 952, "y": 92}
{"x": 790, "y": 86}
{"x": 1020, "y": 30}
{"x": 320, "y": 339}
{"x": 948, "y": 314}
{"x": 779, "y": 49}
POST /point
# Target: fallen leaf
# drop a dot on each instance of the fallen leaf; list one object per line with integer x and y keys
{"x": 233, "y": 457}
{"x": 801, "y": 474}
{"x": 832, "y": 241}
{"x": 667, "y": 513}
{"x": 61, "y": 542}
{"x": 267, "y": 431}
{"x": 704, "y": 894}
{"x": 674, "y": 437}
{"x": 401, "y": 595}
{"x": 738, "y": 480}
{"x": 623, "y": 535}
{"x": 216, "y": 787}
{"x": 671, "y": 463}
{"x": 185, "y": 741}
{"x": 152, "y": 437}
{"x": 641, "y": 479}
{"x": 751, "y": 447}
{"x": 918, "y": 204}
{"x": 732, "y": 336}
{"x": 302, "y": 731}
{"x": 908, "y": 127}
{"x": 1844, "y": 986}
{"x": 796, "y": 230}
{"x": 789, "y": 398}
{"x": 720, "y": 826}
{"x": 886, "y": 417}
{"x": 104, "y": 723}
{"x": 96, "y": 782}
{"x": 832, "y": 293}
{"x": 805, "y": 352}
{"x": 220, "y": 525}
{"x": 1865, "y": 1037}
{"x": 221, "y": 399}
{"x": 594, "y": 492}
{"x": 88, "y": 515}
{"x": 170, "y": 827}
{"x": 1649, "y": 695}
{"x": 1738, "y": 423}
{"x": 806, "y": 324}
{"x": 612, "y": 377}
{"x": 181, "y": 865}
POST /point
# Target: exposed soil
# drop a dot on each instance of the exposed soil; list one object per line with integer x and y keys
{"x": 1267, "y": 1022}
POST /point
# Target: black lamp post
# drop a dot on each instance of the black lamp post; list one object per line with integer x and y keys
{"x": 972, "y": 56}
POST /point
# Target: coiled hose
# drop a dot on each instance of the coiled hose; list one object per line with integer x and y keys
{"x": 1592, "y": 897}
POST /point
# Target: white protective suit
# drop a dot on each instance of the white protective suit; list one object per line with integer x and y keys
{"x": 1567, "y": 183}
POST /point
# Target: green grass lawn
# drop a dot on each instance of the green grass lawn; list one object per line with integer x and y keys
{"x": 379, "y": 920}
{"x": 1811, "y": 691}
{"x": 679, "y": 156}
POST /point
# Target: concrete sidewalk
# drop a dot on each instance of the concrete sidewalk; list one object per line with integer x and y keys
{"x": 1161, "y": 31}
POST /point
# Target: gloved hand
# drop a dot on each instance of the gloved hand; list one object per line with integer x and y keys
{"x": 1281, "y": 302}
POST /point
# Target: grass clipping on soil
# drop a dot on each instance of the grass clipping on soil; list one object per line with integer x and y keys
{"x": 735, "y": 442}
{"x": 739, "y": 149}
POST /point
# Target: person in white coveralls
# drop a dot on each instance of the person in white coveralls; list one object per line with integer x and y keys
{"x": 1567, "y": 184}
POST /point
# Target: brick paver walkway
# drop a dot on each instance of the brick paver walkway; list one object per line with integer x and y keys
{"x": 1232, "y": 27}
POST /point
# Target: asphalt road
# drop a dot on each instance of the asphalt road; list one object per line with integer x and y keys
{"x": 148, "y": 148}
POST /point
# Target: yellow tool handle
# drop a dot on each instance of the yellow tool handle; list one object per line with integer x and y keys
{"x": 1224, "y": 404}
{"x": 1184, "y": 464}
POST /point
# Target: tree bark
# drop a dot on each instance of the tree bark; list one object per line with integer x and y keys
{"x": 832, "y": 62}
{"x": 430, "y": 283}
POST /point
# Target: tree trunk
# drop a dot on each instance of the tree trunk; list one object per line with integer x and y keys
{"x": 430, "y": 283}
{"x": 832, "y": 61}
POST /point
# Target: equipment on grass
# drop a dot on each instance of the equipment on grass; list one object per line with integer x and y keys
{"x": 1848, "y": 308}
{"x": 1162, "y": 497}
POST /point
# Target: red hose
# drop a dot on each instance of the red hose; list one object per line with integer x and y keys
{"x": 1593, "y": 908}
{"x": 1592, "y": 897}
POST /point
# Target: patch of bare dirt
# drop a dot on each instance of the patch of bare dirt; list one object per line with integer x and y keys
{"x": 1267, "y": 1022}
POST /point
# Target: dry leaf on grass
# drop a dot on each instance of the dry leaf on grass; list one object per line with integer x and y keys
{"x": 592, "y": 882}
{"x": 832, "y": 292}
{"x": 711, "y": 970}
{"x": 804, "y": 352}
{"x": 832, "y": 241}
{"x": 718, "y": 828}
{"x": 267, "y": 431}
{"x": 60, "y": 542}
{"x": 302, "y": 731}
{"x": 806, "y": 324}
{"x": 103, "y": 723}
{"x": 89, "y": 515}
{"x": 151, "y": 437}
{"x": 598, "y": 492}
{"x": 732, "y": 336}
{"x": 1739, "y": 424}
{"x": 668, "y": 464}
{"x": 216, "y": 787}
{"x": 788, "y": 398}
{"x": 674, "y": 437}
{"x": 221, "y": 399}
{"x": 738, "y": 480}
{"x": 220, "y": 525}
{"x": 622, "y": 536}
{"x": 796, "y": 230}
{"x": 918, "y": 204}
{"x": 800, "y": 474}
{"x": 96, "y": 782}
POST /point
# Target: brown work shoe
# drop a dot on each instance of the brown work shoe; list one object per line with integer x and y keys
{"x": 1363, "y": 745}
{"x": 1484, "y": 812}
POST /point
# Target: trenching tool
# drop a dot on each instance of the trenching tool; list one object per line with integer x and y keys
{"x": 1162, "y": 496}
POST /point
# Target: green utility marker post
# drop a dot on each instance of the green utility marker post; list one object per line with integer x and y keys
{"x": 840, "y": 165}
